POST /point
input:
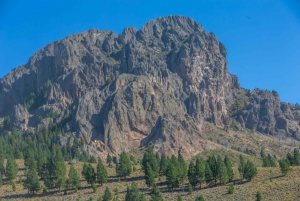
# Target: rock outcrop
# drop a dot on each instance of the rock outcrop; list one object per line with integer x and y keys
{"x": 118, "y": 92}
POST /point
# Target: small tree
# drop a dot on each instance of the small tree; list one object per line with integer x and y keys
{"x": 192, "y": 174}
{"x": 124, "y": 167}
{"x": 190, "y": 189}
{"x": 208, "y": 174}
{"x": 222, "y": 170}
{"x": 242, "y": 167}
{"x": 156, "y": 194}
{"x": 149, "y": 176}
{"x": 163, "y": 165}
{"x": 107, "y": 195}
{"x": 230, "y": 189}
{"x": 250, "y": 171}
{"x": 200, "y": 198}
{"x": 171, "y": 177}
{"x": 229, "y": 168}
{"x": 74, "y": 179}
{"x": 284, "y": 166}
{"x": 200, "y": 170}
{"x": 32, "y": 181}
{"x": 258, "y": 196}
{"x": 11, "y": 169}
{"x": 179, "y": 198}
{"x": 133, "y": 193}
{"x": 182, "y": 172}
{"x": 90, "y": 175}
{"x": 109, "y": 159}
{"x": 101, "y": 173}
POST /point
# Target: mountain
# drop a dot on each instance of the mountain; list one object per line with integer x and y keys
{"x": 158, "y": 84}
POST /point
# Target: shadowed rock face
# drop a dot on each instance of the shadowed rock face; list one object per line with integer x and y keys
{"x": 118, "y": 92}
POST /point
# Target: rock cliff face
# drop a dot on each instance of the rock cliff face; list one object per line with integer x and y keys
{"x": 117, "y": 92}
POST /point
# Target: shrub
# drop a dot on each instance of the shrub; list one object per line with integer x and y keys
{"x": 230, "y": 189}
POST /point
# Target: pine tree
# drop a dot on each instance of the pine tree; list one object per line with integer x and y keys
{"x": 84, "y": 169}
{"x": 149, "y": 176}
{"x": 208, "y": 174}
{"x": 242, "y": 166}
{"x": 133, "y": 193}
{"x": 284, "y": 166}
{"x": 262, "y": 153}
{"x": 1, "y": 181}
{"x": 296, "y": 157}
{"x": 272, "y": 161}
{"x": 229, "y": 168}
{"x": 222, "y": 171}
{"x": 32, "y": 181}
{"x": 2, "y": 169}
{"x": 182, "y": 173}
{"x": 190, "y": 188}
{"x": 250, "y": 171}
{"x": 163, "y": 165}
{"x": 109, "y": 159}
{"x": 11, "y": 169}
{"x": 258, "y": 196}
{"x": 60, "y": 169}
{"x": 124, "y": 167}
{"x": 200, "y": 170}
{"x": 149, "y": 157}
{"x": 74, "y": 179}
{"x": 290, "y": 158}
{"x": 192, "y": 176}
{"x": 89, "y": 174}
{"x": 231, "y": 189}
{"x": 212, "y": 161}
{"x": 41, "y": 165}
{"x": 171, "y": 177}
{"x": 156, "y": 194}
{"x": 107, "y": 195}
{"x": 49, "y": 176}
{"x": 179, "y": 198}
{"x": 101, "y": 173}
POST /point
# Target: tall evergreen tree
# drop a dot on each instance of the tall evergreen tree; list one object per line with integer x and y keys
{"x": 156, "y": 194}
{"x": 200, "y": 198}
{"x": 149, "y": 176}
{"x": 49, "y": 175}
{"x": 124, "y": 167}
{"x": 32, "y": 181}
{"x": 172, "y": 177}
{"x": 242, "y": 167}
{"x": 262, "y": 153}
{"x": 250, "y": 171}
{"x": 192, "y": 175}
{"x": 284, "y": 166}
{"x": 41, "y": 165}
{"x": 163, "y": 165}
{"x": 208, "y": 174}
{"x": 200, "y": 170}
{"x": 74, "y": 179}
{"x": 229, "y": 168}
{"x": 133, "y": 193}
{"x": 296, "y": 157}
{"x": 60, "y": 169}
{"x": 11, "y": 169}
{"x": 212, "y": 161}
{"x": 101, "y": 172}
{"x": 90, "y": 175}
{"x": 182, "y": 169}
{"x": 149, "y": 157}
{"x": 2, "y": 169}
{"x": 290, "y": 158}
{"x": 109, "y": 159}
{"x": 223, "y": 175}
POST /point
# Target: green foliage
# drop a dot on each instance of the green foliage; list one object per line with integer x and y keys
{"x": 190, "y": 188}
{"x": 296, "y": 157}
{"x": 284, "y": 166}
{"x": 242, "y": 166}
{"x": 89, "y": 173}
{"x": 192, "y": 176}
{"x": 123, "y": 168}
{"x": 200, "y": 198}
{"x": 222, "y": 171}
{"x": 133, "y": 193}
{"x": 109, "y": 159}
{"x": 94, "y": 186}
{"x": 107, "y": 195}
{"x": 258, "y": 196}
{"x": 60, "y": 168}
{"x": 101, "y": 172}
{"x": 229, "y": 168}
{"x": 250, "y": 171}
{"x": 149, "y": 176}
{"x": 212, "y": 162}
{"x": 182, "y": 169}
{"x": 179, "y": 198}
{"x": 156, "y": 194}
{"x": 1, "y": 181}
{"x": 13, "y": 186}
{"x": 163, "y": 165}
{"x": 32, "y": 181}
{"x": 172, "y": 177}
{"x": 231, "y": 189}
{"x": 149, "y": 157}
{"x": 2, "y": 169}
{"x": 200, "y": 170}
{"x": 108, "y": 81}
{"x": 269, "y": 161}
{"x": 74, "y": 178}
{"x": 11, "y": 169}
{"x": 208, "y": 173}
{"x": 132, "y": 159}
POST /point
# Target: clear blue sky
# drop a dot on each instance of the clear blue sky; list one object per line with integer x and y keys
{"x": 262, "y": 37}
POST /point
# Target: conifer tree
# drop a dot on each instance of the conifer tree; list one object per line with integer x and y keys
{"x": 107, "y": 195}
{"x": 84, "y": 169}
{"x": 2, "y": 169}
{"x": 179, "y": 198}
{"x": 200, "y": 198}
{"x": 1, "y": 181}
{"x": 208, "y": 174}
{"x": 262, "y": 153}
{"x": 11, "y": 169}
{"x": 223, "y": 175}
{"x": 149, "y": 176}
{"x": 149, "y": 157}
{"x": 156, "y": 194}
{"x": 229, "y": 168}
{"x": 74, "y": 179}
{"x": 32, "y": 181}
{"x": 200, "y": 170}
{"x": 242, "y": 166}
{"x": 284, "y": 166}
{"x": 192, "y": 176}
{"x": 90, "y": 175}
{"x": 101, "y": 172}
{"x": 296, "y": 157}
{"x": 212, "y": 161}
{"x": 182, "y": 172}
{"x": 60, "y": 169}
{"x": 250, "y": 171}
{"x": 172, "y": 177}
{"x": 290, "y": 158}
{"x": 109, "y": 159}
{"x": 190, "y": 188}
{"x": 41, "y": 165}
{"x": 124, "y": 167}
{"x": 133, "y": 193}
{"x": 163, "y": 165}
{"x": 258, "y": 196}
